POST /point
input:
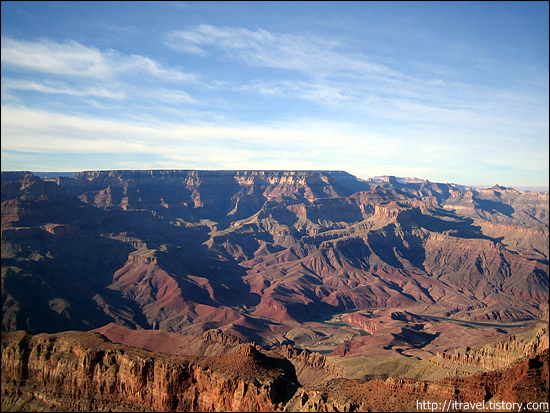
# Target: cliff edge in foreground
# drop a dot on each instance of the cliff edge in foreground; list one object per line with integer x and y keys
{"x": 83, "y": 371}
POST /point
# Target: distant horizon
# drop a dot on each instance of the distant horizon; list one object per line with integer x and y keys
{"x": 479, "y": 186}
{"x": 449, "y": 91}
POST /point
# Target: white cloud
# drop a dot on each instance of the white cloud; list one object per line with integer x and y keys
{"x": 295, "y": 89}
{"x": 372, "y": 111}
{"x": 47, "y": 56}
{"x": 60, "y": 88}
{"x": 309, "y": 54}
{"x": 76, "y": 60}
{"x": 51, "y": 132}
{"x": 168, "y": 95}
{"x": 340, "y": 79}
{"x": 308, "y": 144}
{"x": 136, "y": 63}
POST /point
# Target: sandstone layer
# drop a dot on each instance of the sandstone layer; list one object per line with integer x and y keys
{"x": 75, "y": 371}
{"x": 83, "y": 371}
{"x": 526, "y": 343}
{"x": 249, "y": 251}
{"x": 526, "y": 382}
{"x": 391, "y": 269}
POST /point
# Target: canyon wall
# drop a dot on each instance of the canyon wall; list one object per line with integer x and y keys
{"x": 532, "y": 340}
{"x": 269, "y": 256}
{"x": 78, "y": 371}
{"x": 83, "y": 371}
{"x": 526, "y": 382}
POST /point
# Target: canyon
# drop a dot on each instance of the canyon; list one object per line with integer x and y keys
{"x": 322, "y": 283}
{"x": 85, "y": 371}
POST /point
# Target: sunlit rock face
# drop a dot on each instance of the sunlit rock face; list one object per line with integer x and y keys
{"x": 209, "y": 287}
{"x": 83, "y": 371}
{"x": 76, "y": 371}
{"x": 250, "y": 252}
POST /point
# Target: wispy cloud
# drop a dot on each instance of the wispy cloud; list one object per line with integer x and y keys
{"x": 136, "y": 63}
{"x": 77, "y": 60}
{"x": 171, "y": 96}
{"x": 320, "y": 93}
{"x": 118, "y": 85}
{"x": 338, "y": 77}
{"x": 310, "y": 144}
{"x": 60, "y": 88}
{"x": 51, "y": 131}
{"x": 308, "y": 54}
{"x": 71, "y": 58}
{"x": 370, "y": 88}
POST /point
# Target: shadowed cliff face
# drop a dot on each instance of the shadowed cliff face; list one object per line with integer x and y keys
{"x": 257, "y": 253}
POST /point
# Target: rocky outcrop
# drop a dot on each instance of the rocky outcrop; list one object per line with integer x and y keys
{"x": 210, "y": 343}
{"x": 30, "y": 187}
{"x": 362, "y": 321}
{"x": 525, "y": 382}
{"x": 532, "y": 340}
{"x": 312, "y": 369}
{"x": 83, "y": 371}
{"x": 212, "y": 191}
{"x": 248, "y": 251}
{"x": 396, "y": 212}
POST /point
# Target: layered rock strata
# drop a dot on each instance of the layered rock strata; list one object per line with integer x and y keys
{"x": 532, "y": 340}
{"x": 525, "y": 382}
{"x": 74, "y": 371}
{"x": 252, "y": 252}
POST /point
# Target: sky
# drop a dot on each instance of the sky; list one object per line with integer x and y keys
{"x": 447, "y": 91}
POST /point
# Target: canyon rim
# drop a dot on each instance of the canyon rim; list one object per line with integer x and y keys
{"x": 269, "y": 290}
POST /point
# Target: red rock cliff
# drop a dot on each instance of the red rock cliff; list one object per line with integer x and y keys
{"x": 75, "y": 371}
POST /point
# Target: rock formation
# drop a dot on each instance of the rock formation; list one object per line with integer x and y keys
{"x": 257, "y": 254}
{"x": 526, "y": 343}
{"x": 363, "y": 322}
{"x": 526, "y": 382}
{"x": 311, "y": 368}
{"x": 83, "y": 371}
{"x": 74, "y": 371}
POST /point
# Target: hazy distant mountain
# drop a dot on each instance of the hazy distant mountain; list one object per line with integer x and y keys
{"x": 45, "y": 175}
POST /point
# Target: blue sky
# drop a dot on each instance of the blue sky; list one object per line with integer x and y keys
{"x": 446, "y": 91}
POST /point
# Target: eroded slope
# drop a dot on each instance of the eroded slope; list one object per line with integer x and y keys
{"x": 259, "y": 253}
